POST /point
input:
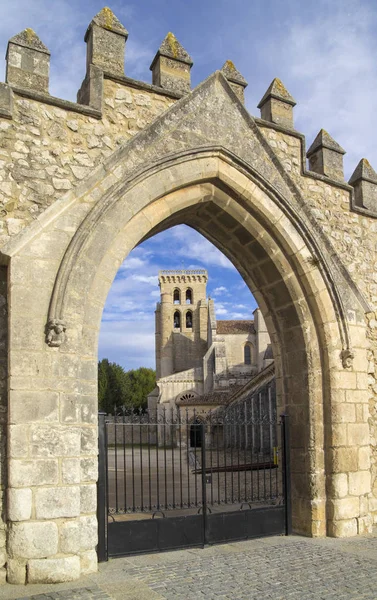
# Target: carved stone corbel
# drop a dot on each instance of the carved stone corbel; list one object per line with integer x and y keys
{"x": 55, "y": 332}
{"x": 347, "y": 357}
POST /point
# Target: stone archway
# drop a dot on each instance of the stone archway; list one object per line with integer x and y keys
{"x": 77, "y": 247}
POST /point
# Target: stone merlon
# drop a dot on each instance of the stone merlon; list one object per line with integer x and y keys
{"x": 326, "y": 156}
{"x": 364, "y": 182}
{"x": 236, "y": 81}
{"x": 171, "y": 66}
{"x": 277, "y": 104}
{"x": 28, "y": 62}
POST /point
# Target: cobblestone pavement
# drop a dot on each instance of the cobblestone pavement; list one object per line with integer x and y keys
{"x": 275, "y": 568}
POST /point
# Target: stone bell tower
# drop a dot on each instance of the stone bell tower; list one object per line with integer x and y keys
{"x": 181, "y": 321}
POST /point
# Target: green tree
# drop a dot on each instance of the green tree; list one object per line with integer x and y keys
{"x": 140, "y": 383}
{"x": 117, "y": 387}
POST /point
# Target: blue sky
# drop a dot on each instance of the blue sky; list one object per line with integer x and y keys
{"x": 324, "y": 52}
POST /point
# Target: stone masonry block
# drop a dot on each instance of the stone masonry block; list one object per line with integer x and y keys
{"x": 16, "y": 571}
{"x": 364, "y": 458}
{"x": 345, "y": 459}
{"x": 89, "y": 532}
{"x": 70, "y": 537}
{"x": 358, "y": 434}
{"x": 343, "y": 413}
{"x": 54, "y": 570}
{"x": 344, "y": 508}
{"x": 344, "y": 528}
{"x": 89, "y": 469}
{"x": 88, "y": 498}
{"x": 365, "y": 525}
{"x": 359, "y": 483}
{"x": 70, "y": 408}
{"x": 29, "y": 407}
{"x": 71, "y": 470}
{"x": 89, "y": 440}
{"x": 33, "y": 540}
{"x": 19, "y": 504}
{"x": 24, "y": 473}
{"x": 54, "y": 502}
{"x": 18, "y": 441}
{"x": 89, "y": 562}
{"x": 339, "y": 485}
{"x": 49, "y": 441}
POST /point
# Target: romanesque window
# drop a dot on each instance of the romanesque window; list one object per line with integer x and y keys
{"x": 176, "y": 297}
{"x": 188, "y": 296}
{"x": 189, "y": 319}
{"x": 247, "y": 354}
{"x": 177, "y": 320}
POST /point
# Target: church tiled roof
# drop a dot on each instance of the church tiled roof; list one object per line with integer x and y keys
{"x": 233, "y": 327}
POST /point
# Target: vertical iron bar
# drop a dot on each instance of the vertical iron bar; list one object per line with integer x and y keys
{"x": 172, "y": 454}
{"x": 195, "y": 445}
{"x": 224, "y": 453}
{"x": 218, "y": 459}
{"x": 157, "y": 463}
{"x": 149, "y": 461}
{"x": 286, "y": 474}
{"x": 188, "y": 458}
{"x": 252, "y": 444}
{"x": 180, "y": 456}
{"x": 244, "y": 450}
{"x": 102, "y": 489}
{"x": 124, "y": 460}
{"x": 231, "y": 456}
{"x": 141, "y": 468}
{"x": 238, "y": 426}
{"x": 165, "y": 466}
{"x": 133, "y": 462}
{"x": 210, "y": 449}
{"x": 116, "y": 460}
{"x": 204, "y": 491}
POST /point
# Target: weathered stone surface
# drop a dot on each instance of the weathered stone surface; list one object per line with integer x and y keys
{"x": 51, "y": 503}
{"x": 54, "y": 570}
{"x": 88, "y": 498}
{"x": 49, "y": 441}
{"x": 70, "y": 537}
{"x": 89, "y": 562}
{"x": 33, "y": 472}
{"x": 88, "y": 532}
{"x": 71, "y": 472}
{"x": 19, "y": 504}
{"x": 89, "y": 469}
{"x": 33, "y": 540}
{"x": 16, "y": 571}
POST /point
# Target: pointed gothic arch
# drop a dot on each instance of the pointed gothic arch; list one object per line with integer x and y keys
{"x": 240, "y": 197}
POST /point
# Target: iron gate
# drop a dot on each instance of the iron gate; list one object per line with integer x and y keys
{"x": 180, "y": 479}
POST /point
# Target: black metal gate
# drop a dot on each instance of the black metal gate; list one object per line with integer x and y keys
{"x": 179, "y": 479}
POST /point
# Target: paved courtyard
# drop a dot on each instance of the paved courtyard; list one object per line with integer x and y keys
{"x": 275, "y": 568}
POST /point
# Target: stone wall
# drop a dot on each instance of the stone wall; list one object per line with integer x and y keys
{"x": 78, "y": 190}
{"x": 46, "y": 149}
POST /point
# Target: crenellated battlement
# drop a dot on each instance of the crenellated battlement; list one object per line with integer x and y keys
{"x": 112, "y": 107}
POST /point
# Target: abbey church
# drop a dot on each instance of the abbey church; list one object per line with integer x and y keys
{"x": 201, "y": 361}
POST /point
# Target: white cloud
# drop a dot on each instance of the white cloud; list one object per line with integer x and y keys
{"x": 133, "y": 262}
{"x": 330, "y": 60}
{"x": 219, "y": 290}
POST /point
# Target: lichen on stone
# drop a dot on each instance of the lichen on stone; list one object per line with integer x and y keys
{"x": 108, "y": 17}
{"x": 173, "y": 43}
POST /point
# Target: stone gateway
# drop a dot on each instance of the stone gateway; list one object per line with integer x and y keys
{"x": 81, "y": 184}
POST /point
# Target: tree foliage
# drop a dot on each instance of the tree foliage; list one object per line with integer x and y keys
{"x": 117, "y": 387}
